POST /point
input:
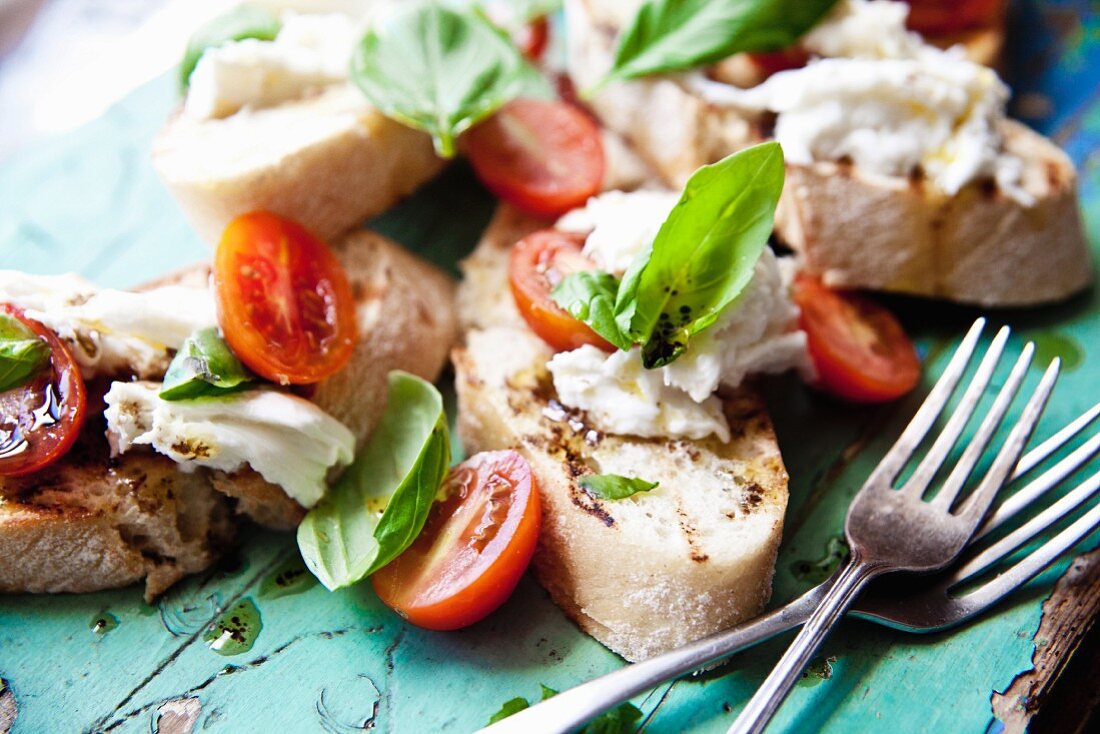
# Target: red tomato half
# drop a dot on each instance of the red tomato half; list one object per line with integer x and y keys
{"x": 284, "y": 302}
{"x": 539, "y": 262}
{"x": 40, "y": 421}
{"x": 859, "y": 349}
{"x": 943, "y": 17}
{"x": 473, "y": 549}
{"x": 544, "y": 157}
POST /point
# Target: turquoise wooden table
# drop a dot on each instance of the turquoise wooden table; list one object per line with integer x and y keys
{"x": 310, "y": 660}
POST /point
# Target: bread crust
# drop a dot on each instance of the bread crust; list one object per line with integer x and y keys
{"x": 648, "y": 573}
{"x": 328, "y": 161}
{"x": 855, "y": 228}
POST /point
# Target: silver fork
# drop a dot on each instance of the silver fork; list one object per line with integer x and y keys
{"x": 892, "y": 530}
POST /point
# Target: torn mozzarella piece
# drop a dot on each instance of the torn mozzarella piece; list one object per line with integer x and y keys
{"x": 288, "y": 440}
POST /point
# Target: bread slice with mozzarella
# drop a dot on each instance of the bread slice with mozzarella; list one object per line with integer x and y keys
{"x": 984, "y": 244}
{"x": 328, "y": 160}
{"x": 649, "y": 572}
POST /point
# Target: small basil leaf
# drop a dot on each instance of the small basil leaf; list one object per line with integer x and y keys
{"x": 23, "y": 354}
{"x": 547, "y": 691}
{"x": 510, "y": 707}
{"x": 618, "y": 720}
{"x": 677, "y": 35}
{"x": 440, "y": 70}
{"x": 203, "y": 367}
{"x": 705, "y": 252}
{"x": 244, "y": 21}
{"x": 614, "y": 487}
{"x": 589, "y": 296}
{"x": 342, "y": 539}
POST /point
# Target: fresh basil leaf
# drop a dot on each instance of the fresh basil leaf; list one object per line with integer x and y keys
{"x": 618, "y": 720}
{"x": 440, "y": 70}
{"x": 244, "y": 21}
{"x": 342, "y": 539}
{"x": 705, "y": 252}
{"x": 203, "y": 367}
{"x": 589, "y": 296}
{"x": 677, "y": 35}
{"x": 614, "y": 487}
{"x": 23, "y": 354}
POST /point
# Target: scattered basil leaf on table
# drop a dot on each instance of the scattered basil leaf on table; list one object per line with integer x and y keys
{"x": 589, "y": 296}
{"x": 342, "y": 539}
{"x": 700, "y": 261}
{"x": 22, "y": 353}
{"x": 244, "y": 21}
{"x": 615, "y": 487}
{"x": 441, "y": 70}
{"x": 204, "y": 367}
{"x": 677, "y": 35}
{"x": 618, "y": 720}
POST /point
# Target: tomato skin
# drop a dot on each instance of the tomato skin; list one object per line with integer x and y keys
{"x": 538, "y": 263}
{"x": 544, "y": 157}
{"x": 474, "y": 547}
{"x": 284, "y": 302}
{"x": 534, "y": 38}
{"x": 944, "y": 17}
{"x": 45, "y": 443}
{"x": 859, "y": 349}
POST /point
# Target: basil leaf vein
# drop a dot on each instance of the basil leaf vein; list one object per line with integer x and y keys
{"x": 342, "y": 539}
{"x": 614, "y": 487}
{"x": 244, "y": 21}
{"x": 677, "y": 35}
{"x": 23, "y": 354}
{"x": 441, "y": 70}
{"x": 204, "y": 366}
{"x": 589, "y": 296}
{"x": 705, "y": 252}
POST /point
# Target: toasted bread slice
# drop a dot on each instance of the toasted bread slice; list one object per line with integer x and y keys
{"x": 407, "y": 321}
{"x": 90, "y": 522}
{"x": 329, "y": 161}
{"x": 855, "y": 228}
{"x": 648, "y": 573}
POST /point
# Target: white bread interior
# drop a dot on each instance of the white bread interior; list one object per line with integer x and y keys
{"x": 644, "y": 574}
{"x": 329, "y": 161}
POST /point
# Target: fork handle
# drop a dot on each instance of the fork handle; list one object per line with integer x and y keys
{"x": 571, "y": 709}
{"x": 771, "y": 694}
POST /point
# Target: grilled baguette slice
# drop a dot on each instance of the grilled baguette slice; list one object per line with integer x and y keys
{"x": 854, "y": 228}
{"x": 329, "y": 161}
{"x": 90, "y": 522}
{"x": 647, "y": 573}
{"x": 406, "y": 318}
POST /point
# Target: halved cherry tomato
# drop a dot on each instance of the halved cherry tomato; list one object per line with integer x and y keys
{"x": 40, "y": 421}
{"x": 859, "y": 349}
{"x": 773, "y": 62}
{"x": 473, "y": 549}
{"x": 284, "y": 302}
{"x": 943, "y": 17}
{"x": 546, "y": 157}
{"x": 539, "y": 262}
{"x": 533, "y": 38}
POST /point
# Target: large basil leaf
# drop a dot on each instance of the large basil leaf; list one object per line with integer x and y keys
{"x": 244, "y": 21}
{"x": 704, "y": 253}
{"x": 589, "y": 296}
{"x": 676, "y": 35}
{"x": 347, "y": 536}
{"x": 22, "y": 353}
{"x": 203, "y": 367}
{"x": 441, "y": 70}
{"x": 614, "y": 487}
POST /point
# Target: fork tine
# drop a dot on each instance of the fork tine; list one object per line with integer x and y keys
{"x": 1021, "y": 535}
{"x": 977, "y": 504}
{"x": 930, "y": 409}
{"x": 1030, "y": 566}
{"x": 1039, "y": 454}
{"x": 1046, "y": 481}
{"x": 974, "y": 450}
